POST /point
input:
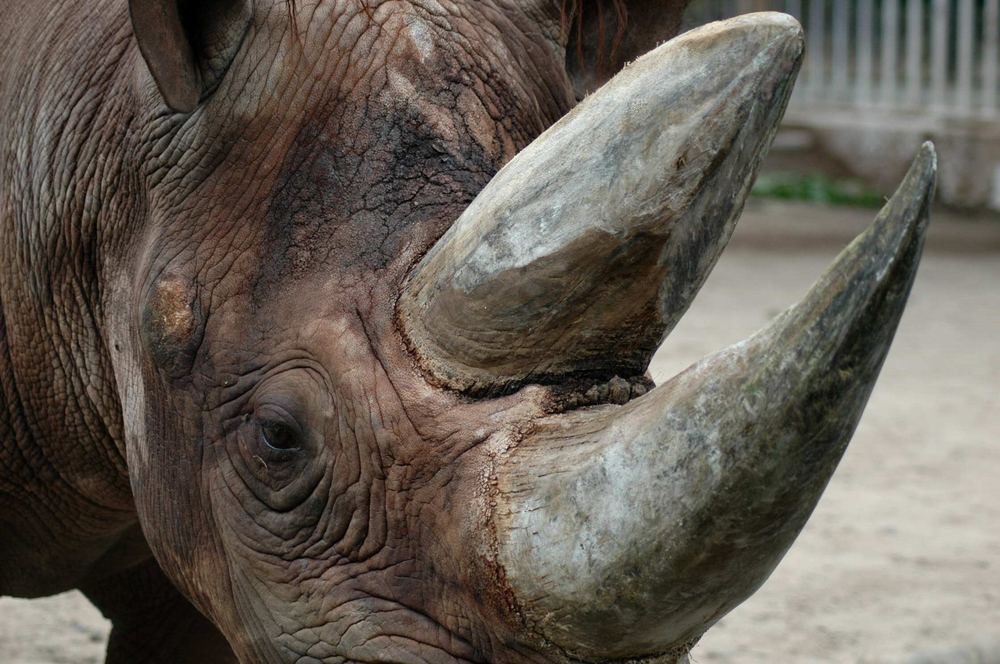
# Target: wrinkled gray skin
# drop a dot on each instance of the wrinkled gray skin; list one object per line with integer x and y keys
{"x": 259, "y": 405}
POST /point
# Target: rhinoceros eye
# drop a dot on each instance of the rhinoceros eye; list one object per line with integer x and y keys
{"x": 279, "y": 436}
{"x": 278, "y": 430}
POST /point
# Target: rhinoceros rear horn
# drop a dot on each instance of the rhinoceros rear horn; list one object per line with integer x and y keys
{"x": 187, "y": 44}
{"x": 586, "y": 248}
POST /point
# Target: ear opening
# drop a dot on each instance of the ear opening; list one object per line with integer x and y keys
{"x": 601, "y": 36}
{"x": 188, "y": 44}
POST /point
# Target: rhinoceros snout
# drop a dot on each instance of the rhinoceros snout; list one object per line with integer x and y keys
{"x": 626, "y": 531}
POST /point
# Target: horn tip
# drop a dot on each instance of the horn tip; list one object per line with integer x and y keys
{"x": 776, "y": 23}
{"x": 918, "y": 187}
{"x": 926, "y": 161}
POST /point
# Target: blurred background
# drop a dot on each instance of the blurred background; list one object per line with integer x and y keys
{"x": 900, "y": 564}
{"x": 881, "y": 76}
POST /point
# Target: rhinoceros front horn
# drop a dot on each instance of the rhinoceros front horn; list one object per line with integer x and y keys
{"x": 626, "y": 531}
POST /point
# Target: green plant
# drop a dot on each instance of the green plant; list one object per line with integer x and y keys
{"x": 817, "y": 188}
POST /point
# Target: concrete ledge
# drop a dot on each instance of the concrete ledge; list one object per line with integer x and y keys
{"x": 879, "y": 147}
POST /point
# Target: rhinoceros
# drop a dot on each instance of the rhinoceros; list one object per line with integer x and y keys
{"x": 326, "y": 326}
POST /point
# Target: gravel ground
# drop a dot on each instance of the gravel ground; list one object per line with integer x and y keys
{"x": 900, "y": 563}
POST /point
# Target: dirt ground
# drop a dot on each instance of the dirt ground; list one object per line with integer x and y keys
{"x": 900, "y": 563}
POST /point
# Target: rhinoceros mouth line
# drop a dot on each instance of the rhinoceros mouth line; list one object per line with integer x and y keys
{"x": 676, "y": 655}
{"x": 577, "y": 393}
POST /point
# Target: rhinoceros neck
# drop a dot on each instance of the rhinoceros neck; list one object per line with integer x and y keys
{"x": 64, "y": 492}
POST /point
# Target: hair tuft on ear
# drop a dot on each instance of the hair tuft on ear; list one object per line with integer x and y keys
{"x": 602, "y": 35}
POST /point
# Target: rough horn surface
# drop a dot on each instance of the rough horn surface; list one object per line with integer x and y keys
{"x": 587, "y": 248}
{"x": 625, "y": 531}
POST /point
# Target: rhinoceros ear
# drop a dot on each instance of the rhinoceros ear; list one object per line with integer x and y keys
{"x": 188, "y": 44}
{"x": 602, "y": 35}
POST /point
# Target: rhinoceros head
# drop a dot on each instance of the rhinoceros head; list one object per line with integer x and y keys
{"x": 383, "y": 358}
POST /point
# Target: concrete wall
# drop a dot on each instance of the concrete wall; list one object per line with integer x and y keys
{"x": 881, "y": 76}
{"x": 879, "y": 147}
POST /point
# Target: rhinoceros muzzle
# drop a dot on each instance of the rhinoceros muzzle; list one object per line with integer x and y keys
{"x": 625, "y": 531}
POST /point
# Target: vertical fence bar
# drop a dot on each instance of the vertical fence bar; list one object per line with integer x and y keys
{"x": 730, "y": 8}
{"x": 914, "y": 51}
{"x": 890, "y": 51}
{"x": 700, "y": 12}
{"x": 991, "y": 57}
{"x": 816, "y": 49}
{"x": 794, "y": 8}
{"x": 966, "y": 52}
{"x": 712, "y": 10}
{"x": 720, "y": 7}
{"x": 864, "y": 37}
{"x": 940, "y": 24}
{"x": 840, "y": 62}
{"x": 717, "y": 9}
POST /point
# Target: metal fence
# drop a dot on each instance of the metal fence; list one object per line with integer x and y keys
{"x": 934, "y": 57}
